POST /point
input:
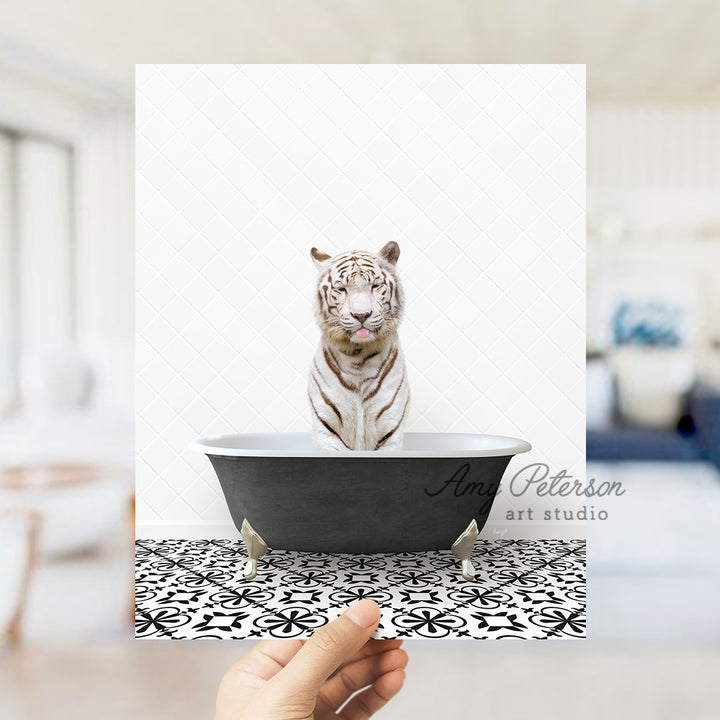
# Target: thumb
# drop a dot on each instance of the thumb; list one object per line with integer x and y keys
{"x": 327, "y": 649}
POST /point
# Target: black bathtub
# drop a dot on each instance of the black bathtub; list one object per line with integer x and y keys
{"x": 419, "y": 498}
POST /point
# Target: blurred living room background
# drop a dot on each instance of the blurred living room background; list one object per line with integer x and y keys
{"x": 67, "y": 335}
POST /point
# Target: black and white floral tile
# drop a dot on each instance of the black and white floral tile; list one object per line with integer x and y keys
{"x": 531, "y": 589}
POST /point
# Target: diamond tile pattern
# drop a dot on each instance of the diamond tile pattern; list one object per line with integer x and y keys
{"x": 528, "y": 589}
{"x": 478, "y": 173}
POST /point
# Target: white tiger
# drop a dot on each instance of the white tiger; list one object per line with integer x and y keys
{"x": 358, "y": 387}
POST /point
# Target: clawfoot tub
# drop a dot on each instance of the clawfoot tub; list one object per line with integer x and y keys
{"x": 436, "y": 493}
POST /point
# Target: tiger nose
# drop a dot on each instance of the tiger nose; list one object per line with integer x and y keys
{"x": 361, "y": 317}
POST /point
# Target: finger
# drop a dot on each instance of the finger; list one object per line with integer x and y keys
{"x": 358, "y": 675}
{"x": 374, "y": 647}
{"x": 251, "y": 672}
{"x": 265, "y": 660}
{"x": 369, "y": 701}
{"x": 281, "y": 651}
{"x": 327, "y": 649}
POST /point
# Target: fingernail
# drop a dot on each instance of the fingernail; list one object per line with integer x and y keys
{"x": 364, "y": 613}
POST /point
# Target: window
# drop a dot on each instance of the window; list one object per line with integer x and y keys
{"x": 37, "y": 259}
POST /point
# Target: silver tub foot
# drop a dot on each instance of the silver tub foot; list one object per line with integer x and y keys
{"x": 256, "y": 548}
{"x": 462, "y": 548}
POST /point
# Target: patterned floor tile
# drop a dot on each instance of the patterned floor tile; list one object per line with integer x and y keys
{"x": 523, "y": 589}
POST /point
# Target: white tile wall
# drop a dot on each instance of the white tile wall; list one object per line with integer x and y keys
{"x": 477, "y": 171}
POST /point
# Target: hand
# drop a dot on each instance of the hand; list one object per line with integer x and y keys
{"x": 311, "y": 680}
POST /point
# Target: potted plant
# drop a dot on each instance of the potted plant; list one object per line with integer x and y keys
{"x": 654, "y": 368}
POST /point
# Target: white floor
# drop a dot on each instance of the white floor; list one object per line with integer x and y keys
{"x": 654, "y": 564}
{"x": 653, "y": 648}
{"x": 567, "y": 680}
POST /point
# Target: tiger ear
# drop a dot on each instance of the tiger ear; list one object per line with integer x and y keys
{"x": 319, "y": 258}
{"x": 390, "y": 252}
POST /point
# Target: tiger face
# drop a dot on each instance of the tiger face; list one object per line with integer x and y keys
{"x": 359, "y": 298}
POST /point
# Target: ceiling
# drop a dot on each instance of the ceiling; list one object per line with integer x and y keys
{"x": 636, "y": 50}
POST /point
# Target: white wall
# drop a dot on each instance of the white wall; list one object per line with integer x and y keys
{"x": 105, "y": 255}
{"x": 477, "y": 173}
{"x": 7, "y": 280}
{"x": 654, "y": 180}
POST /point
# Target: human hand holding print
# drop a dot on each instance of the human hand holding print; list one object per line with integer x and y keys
{"x": 314, "y": 679}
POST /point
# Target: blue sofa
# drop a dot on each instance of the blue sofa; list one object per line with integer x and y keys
{"x": 696, "y": 438}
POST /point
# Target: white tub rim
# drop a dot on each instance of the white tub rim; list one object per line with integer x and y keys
{"x": 478, "y": 445}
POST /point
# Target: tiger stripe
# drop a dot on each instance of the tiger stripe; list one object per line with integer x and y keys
{"x": 327, "y": 400}
{"x": 332, "y": 363}
{"x": 394, "y": 397}
{"x": 327, "y": 425}
{"x": 387, "y": 436}
{"x": 383, "y": 376}
{"x": 371, "y": 355}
